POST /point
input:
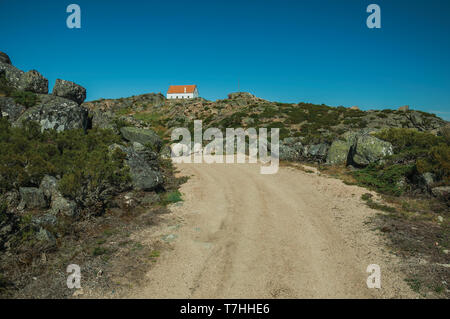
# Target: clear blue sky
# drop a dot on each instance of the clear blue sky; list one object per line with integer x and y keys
{"x": 290, "y": 51}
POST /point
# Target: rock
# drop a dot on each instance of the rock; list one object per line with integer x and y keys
{"x": 138, "y": 147}
{"x": 45, "y": 236}
{"x": 316, "y": 151}
{"x": 354, "y": 108}
{"x": 53, "y": 112}
{"x": 47, "y": 219}
{"x": 143, "y": 136}
{"x": 102, "y": 119}
{"x": 288, "y": 153}
{"x": 144, "y": 168}
{"x": 69, "y": 90}
{"x": 442, "y": 192}
{"x": 61, "y": 205}
{"x": 338, "y": 152}
{"x": 241, "y": 95}
{"x": 404, "y": 108}
{"x": 10, "y": 109}
{"x": 33, "y": 81}
{"x": 428, "y": 179}
{"x": 12, "y": 74}
{"x": 32, "y": 197}
{"x": 12, "y": 199}
{"x": 4, "y": 58}
{"x": 370, "y": 149}
{"x": 440, "y": 219}
{"x": 49, "y": 186}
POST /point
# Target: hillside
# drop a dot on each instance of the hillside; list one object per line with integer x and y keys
{"x": 91, "y": 174}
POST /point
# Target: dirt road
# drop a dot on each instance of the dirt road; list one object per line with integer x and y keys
{"x": 294, "y": 234}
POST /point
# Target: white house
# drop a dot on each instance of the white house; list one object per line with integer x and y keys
{"x": 182, "y": 92}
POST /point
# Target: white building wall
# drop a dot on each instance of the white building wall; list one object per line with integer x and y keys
{"x": 181, "y": 95}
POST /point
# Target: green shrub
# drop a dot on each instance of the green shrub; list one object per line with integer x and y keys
{"x": 82, "y": 160}
{"x": 437, "y": 162}
{"x": 425, "y": 151}
{"x": 387, "y": 180}
{"x": 173, "y": 197}
{"x": 27, "y": 99}
{"x": 406, "y": 139}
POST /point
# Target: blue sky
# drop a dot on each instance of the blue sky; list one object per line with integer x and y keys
{"x": 317, "y": 51}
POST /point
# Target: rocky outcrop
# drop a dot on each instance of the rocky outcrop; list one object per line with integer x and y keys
{"x": 31, "y": 81}
{"x": 142, "y": 136}
{"x": 69, "y": 90}
{"x": 4, "y": 58}
{"x": 53, "y": 112}
{"x": 241, "y": 95}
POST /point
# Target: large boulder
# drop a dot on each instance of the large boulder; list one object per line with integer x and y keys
{"x": 33, "y": 81}
{"x": 144, "y": 168}
{"x": 4, "y": 58}
{"x": 53, "y": 112}
{"x": 369, "y": 149}
{"x": 32, "y": 198}
{"x": 143, "y": 136}
{"x": 10, "y": 109}
{"x": 69, "y": 90}
{"x": 338, "y": 152}
{"x": 12, "y": 74}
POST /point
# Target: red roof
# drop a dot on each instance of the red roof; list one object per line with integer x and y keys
{"x": 173, "y": 89}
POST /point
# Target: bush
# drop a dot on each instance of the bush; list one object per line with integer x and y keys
{"x": 425, "y": 151}
{"x": 437, "y": 162}
{"x": 81, "y": 160}
{"x": 27, "y": 99}
{"x": 387, "y": 180}
{"x": 173, "y": 197}
{"x": 406, "y": 139}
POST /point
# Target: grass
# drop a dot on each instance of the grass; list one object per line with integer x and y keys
{"x": 173, "y": 197}
{"x": 374, "y": 205}
{"x": 414, "y": 283}
{"x": 154, "y": 254}
{"x": 99, "y": 251}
